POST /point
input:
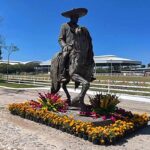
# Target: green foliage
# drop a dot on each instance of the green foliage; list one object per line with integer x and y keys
{"x": 30, "y": 67}
{"x": 1, "y": 80}
{"x": 102, "y": 70}
{"x": 3, "y": 68}
{"x": 104, "y": 104}
{"x": 18, "y": 68}
{"x": 14, "y": 85}
{"x": 52, "y": 102}
{"x": 124, "y": 78}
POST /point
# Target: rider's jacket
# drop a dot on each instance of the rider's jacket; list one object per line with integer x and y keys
{"x": 67, "y": 34}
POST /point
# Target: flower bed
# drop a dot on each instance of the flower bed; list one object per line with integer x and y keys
{"x": 98, "y": 135}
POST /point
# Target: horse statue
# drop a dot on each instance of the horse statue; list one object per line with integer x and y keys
{"x": 80, "y": 67}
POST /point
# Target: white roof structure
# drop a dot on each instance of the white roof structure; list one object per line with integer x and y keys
{"x": 45, "y": 63}
{"x": 99, "y": 60}
{"x": 107, "y": 59}
{"x": 104, "y": 59}
{"x": 10, "y": 62}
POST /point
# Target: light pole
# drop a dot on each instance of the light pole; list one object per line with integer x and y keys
{"x": 95, "y": 69}
{"x": 111, "y": 67}
{"x": 10, "y": 49}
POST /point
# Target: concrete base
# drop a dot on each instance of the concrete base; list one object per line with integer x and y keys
{"x": 74, "y": 111}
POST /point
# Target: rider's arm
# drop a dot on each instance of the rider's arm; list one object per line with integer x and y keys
{"x": 62, "y": 36}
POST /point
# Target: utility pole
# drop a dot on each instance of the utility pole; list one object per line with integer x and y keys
{"x": 111, "y": 67}
{"x": 0, "y": 52}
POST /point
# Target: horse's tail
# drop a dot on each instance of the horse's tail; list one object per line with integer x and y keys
{"x": 54, "y": 74}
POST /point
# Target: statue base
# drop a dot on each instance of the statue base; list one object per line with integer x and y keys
{"x": 74, "y": 111}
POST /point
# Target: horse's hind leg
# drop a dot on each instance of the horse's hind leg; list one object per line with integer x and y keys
{"x": 85, "y": 86}
{"x": 55, "y": 89}
{"x": 67, "y": 93}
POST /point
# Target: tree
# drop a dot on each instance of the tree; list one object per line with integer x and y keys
{"x": 3, "y": 67}
{"x": 148, "y": 65}
{"x": 10, "y": 49}
{"x": 30, "y": 67}
{"x": 2, "y": 45}
{"x": 19, "y": 68}
{"x": 2, "y": 41}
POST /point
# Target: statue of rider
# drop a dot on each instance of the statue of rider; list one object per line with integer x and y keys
{"x": 67, "y": 39}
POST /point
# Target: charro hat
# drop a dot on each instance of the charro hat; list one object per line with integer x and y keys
{"x": 80, "y": 12}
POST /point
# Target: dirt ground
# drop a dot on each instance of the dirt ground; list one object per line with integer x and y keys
{"x": 21, "y": 134}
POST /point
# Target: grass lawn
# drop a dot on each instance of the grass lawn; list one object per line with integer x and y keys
{"x": 102, "y": 77}
{"x": 124, "y": 78}
{"x": 120, "y": 92}
{"x": 15, "y": 85}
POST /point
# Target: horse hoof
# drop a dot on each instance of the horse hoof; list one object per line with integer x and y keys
{"x": 85, "y": 107}
{"x": 68, "y": 102}
{"x": 75, "y": 102}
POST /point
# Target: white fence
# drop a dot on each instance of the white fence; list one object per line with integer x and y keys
{"x": 109, "y": 86}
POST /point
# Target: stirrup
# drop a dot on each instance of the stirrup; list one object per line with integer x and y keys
{"x": 63, "y": 79}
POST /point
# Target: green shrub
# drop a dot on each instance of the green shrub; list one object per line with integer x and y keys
{"x": 104, "y": 104}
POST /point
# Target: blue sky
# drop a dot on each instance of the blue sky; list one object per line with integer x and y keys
{"x": 117, "y": 27}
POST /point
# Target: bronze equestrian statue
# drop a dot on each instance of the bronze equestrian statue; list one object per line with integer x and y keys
{"x": 75, "y": 61}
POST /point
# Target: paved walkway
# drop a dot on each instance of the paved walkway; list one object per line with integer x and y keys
{"x": 121, "y": 96}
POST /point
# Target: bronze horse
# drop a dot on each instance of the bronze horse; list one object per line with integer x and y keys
{"x": 80, "y": 67}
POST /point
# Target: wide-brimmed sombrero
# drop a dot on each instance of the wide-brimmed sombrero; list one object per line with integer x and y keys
{"x": 80, "y": 12}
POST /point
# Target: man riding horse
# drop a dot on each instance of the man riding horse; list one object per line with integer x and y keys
{"x": 75, "y": 61}
{"x": 68, "y": 37}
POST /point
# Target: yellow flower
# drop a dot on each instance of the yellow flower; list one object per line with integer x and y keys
{"x": 71, "y": 123}
{"x": 102, "y": 141}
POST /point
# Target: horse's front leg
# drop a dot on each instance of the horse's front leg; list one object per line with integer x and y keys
{"x": 67, "y": 93}
{"x": 85, "y": 86}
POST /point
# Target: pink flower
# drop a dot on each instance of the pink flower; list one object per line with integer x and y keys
{"x": 94, "y": 115}
{"x": 113, "y": 119}
{"x": 82, "y": 113}
{"x": 104, "y": 117}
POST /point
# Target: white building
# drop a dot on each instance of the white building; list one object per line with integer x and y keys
{"x": 112, "y": 59}
{"x": 104, "y": 61}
